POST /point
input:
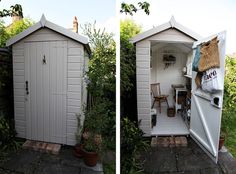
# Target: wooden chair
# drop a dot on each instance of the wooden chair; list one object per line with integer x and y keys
{"x": 158, "y": 97}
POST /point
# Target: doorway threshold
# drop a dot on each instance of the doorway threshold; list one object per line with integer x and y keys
{"x": 168, "y": 126}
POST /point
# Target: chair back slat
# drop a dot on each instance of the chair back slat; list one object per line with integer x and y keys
{"x": 156, "y": 89}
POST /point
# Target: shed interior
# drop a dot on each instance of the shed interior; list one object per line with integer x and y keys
{"x": 168, "y": 64}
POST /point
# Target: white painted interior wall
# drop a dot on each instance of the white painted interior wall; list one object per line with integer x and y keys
{"x": 171, "y": 75}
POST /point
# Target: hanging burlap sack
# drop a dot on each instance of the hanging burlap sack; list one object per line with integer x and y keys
{"x": 209, "y": 56}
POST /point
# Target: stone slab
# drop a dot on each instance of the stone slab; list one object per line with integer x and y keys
{"x": 23, "y": 162}
{"x": 28, "y": 161}
{"x": 188, "y": 159}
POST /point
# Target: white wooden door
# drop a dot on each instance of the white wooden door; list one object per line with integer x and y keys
{"x": 45, "y": 73}
{"x": 205, "y": 113}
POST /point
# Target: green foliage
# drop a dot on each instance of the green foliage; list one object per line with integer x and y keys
{"x": 3, "y": 34}
{"x": 132, "y": 144}
{"x": 7, "y": 135}
{"x": 15, "y": 10}
{"x": 19, "y": 26}
{"x": 79, "y": 128}
{"x": 131, "y": 8}
{"x": 102, "y": 63}
{"x": 109, "y": 168}
{"x": 90, "y": 145}
{"x": 100, "y": 116}
{"x": 14, "y": 29}
{"x": 100, "y": 119}
{"x": 128, "y": 29}
{"x": 229, "y": 104}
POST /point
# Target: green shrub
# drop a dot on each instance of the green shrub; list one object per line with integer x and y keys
{"x": 100, "y": 120}
{"x": 7, "y": 135}
{"x": 229, "y": 104}
{"x": 132, "y": 145}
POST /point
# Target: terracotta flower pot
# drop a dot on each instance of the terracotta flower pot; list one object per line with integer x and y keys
{"x": 90, "y": 158}
{"x": 221, "y": 142}
{"x": 78, "y": 150}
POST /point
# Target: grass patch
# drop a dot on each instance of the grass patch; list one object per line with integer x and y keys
{"x": 230, "y": 141}
{"x": 109, "y": 168}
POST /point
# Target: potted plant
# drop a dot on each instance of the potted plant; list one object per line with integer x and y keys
{"x": 223, "y": 132}
{"x": 79, "y": 145}
{"x": 221, "y": 140}
{"x": 90, "y": 150}
{"x": 92, "y": 138}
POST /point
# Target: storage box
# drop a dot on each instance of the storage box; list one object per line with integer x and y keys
{"x": 171, "y": 112}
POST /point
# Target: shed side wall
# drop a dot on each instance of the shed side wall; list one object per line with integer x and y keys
{"x": 143, "y": 85}
{"x": 19, "y": 88}
{"x": 74, "y": 92}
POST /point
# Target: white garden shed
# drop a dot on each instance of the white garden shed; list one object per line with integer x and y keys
{"x": 202, "y": 121}
{"x": 49, "y": 64}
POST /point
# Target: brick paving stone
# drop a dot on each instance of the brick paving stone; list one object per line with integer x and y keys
{"x": 177, "y": 141}
{"x": 184, "y": 142}
{"x": 153, "y": 142}
{"x": 26, "y": 145}
{"x": 162, "y": 141}
{"x": 171, "y": 141}
{"x": 49, "y": 148}
{"x": 56, "y": 149}
{"x": 37, "y": 146}
{"x": 43, "y": 147}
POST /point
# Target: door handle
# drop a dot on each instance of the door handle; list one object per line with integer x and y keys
{"x": 44, "y": 59}
{"x": 26, "y": 87}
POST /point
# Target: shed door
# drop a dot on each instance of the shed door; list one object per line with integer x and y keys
{"x": 45, "y": 72}
{"x": 205, "y": 110}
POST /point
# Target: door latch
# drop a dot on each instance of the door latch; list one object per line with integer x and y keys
{"x": 26, "y": 87}
{"x": 44, "y": 60}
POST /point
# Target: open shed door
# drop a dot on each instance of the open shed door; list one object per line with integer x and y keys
{"x": 206, "y": 108}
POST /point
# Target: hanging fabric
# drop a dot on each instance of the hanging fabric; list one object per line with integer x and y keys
{"x": 196, "y": 59}
{"x": 209, "y": 56}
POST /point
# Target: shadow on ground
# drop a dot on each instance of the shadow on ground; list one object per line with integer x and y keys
{"x": 176, "y": 160}
{"x": 31, "y": 162}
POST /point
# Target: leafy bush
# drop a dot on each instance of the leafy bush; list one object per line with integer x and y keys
{"x": 132, "y": 144}
{"x": 100, "y": 114}
{"x": 102, "y": 64}
{"x": 14, "y": 29}
{"x": 7, "y": 135}
{"x": 128, "y": 29}
{"x": 229, "y": 104}
{"x": 100, "y": 120}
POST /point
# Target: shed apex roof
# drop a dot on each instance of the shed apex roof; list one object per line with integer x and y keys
{"x": 171, "y": 24}
{"x": 43, "y": 23}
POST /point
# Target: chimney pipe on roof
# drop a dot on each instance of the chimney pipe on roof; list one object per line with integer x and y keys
{"x": 75, "y": 25}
